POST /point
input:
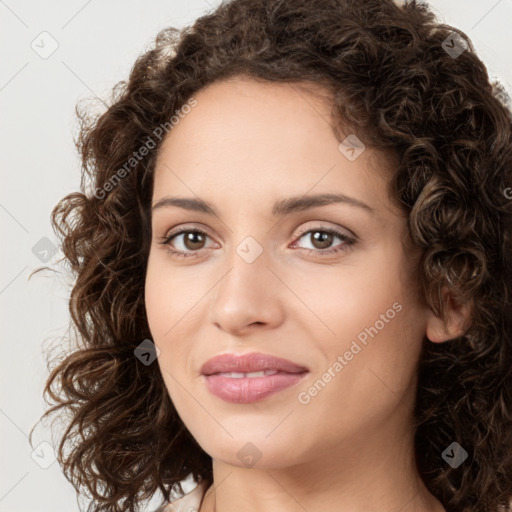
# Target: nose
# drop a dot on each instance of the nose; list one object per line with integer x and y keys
{"x": 249, "y": 296}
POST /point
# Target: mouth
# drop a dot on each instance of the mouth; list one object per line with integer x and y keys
{"x": 251, "y": 377}
{"x": 254, "y": 362}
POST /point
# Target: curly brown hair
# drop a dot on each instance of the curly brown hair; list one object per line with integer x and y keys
{"x": 392, "y": 80}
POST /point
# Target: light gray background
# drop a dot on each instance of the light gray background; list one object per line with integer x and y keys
{"x": 97, "y": 45}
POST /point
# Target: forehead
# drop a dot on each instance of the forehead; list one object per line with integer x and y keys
{"x": 240, "y": 109}
{"x": 245, "y": 136}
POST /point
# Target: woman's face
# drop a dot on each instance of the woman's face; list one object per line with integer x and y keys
{"x": 272, "y": 279}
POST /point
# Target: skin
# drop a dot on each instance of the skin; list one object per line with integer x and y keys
{"x": 244, "y": 146}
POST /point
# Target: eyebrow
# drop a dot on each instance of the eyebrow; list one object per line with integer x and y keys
{"x": 281, "y": 207}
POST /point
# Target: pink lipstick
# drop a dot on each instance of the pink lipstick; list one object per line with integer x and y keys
{"x": 250, "y": 377}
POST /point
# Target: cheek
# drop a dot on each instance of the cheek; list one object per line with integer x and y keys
{"x": 356, "y": 299}
{"x": 165, "y": 297}
{"x": 374, "y": 321}
{"x": 369, "y": 370}
{"x": 152, "y": 292}
{"x": 170, "y": 311}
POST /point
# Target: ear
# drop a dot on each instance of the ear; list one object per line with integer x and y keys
{"x": 456, "y": 321}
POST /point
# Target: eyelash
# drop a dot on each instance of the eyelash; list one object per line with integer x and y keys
{"x": 348, "y": 241}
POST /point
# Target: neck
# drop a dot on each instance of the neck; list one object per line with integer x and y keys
{"x": 361, "y": 474}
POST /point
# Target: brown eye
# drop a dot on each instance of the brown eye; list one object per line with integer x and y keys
{"x": 193, "y": 240}
{"x": 322, "y": 239}
{"x": 186, "y": 242}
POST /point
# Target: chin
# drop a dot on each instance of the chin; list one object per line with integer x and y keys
{"x": 253, "y": 451}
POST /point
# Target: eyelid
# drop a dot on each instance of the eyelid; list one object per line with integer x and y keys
{"x": 348, "y": 241}
{"x": 172, "y": 233}
{"x": 187, "y": 227}
{"x": 322, "y": 226}
{"x": 180, "y": 228}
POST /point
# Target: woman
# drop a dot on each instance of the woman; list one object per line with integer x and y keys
{"x": 292, "y": 256}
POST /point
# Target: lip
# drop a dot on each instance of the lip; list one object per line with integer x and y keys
{"x": 285, "y": 373}
{"x": 253, "y": 362}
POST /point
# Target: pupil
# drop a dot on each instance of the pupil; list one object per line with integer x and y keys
{"x": 194, "y": 239}
{"x": 324, "y": 238}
